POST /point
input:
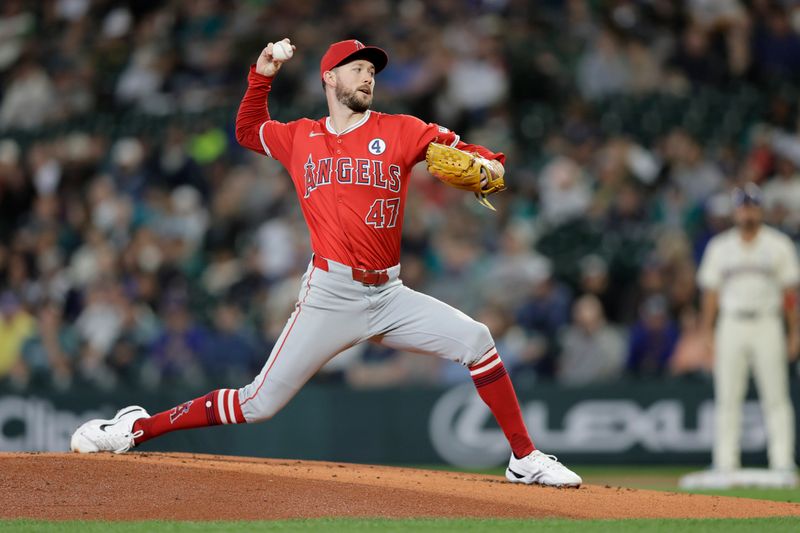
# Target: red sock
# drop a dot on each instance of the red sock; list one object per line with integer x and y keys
{"x": 495, "y": 389}
{"x": 217, "y": 407}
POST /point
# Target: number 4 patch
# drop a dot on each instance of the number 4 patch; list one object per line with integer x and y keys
{"x": 383, "y": 213}
{"x": 377, "y": 146}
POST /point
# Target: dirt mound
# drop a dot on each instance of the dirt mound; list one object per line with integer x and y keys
{"x": 202, "y": 487}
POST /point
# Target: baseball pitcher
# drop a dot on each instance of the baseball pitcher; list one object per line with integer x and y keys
{"x": 749, "y": 276}
{"x": 351, "y": 174}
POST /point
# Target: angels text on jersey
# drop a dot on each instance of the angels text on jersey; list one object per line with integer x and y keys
{"x": 350, "y": 171}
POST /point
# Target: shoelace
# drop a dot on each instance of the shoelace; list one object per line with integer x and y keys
{"x": 549, "y": 464}
{"x": 119, "y": 443}
{"x": 130, "y": 438}
{"x": 114, "y": 442}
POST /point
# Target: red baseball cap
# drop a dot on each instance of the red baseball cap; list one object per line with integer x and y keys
{"x": 350, "y": 50}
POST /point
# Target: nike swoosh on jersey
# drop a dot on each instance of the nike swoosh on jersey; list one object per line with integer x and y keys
{"x": 315, "y": 134}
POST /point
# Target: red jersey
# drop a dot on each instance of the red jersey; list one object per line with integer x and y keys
{"x": 351, "y": 185}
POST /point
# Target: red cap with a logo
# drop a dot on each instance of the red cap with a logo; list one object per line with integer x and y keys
{"x": 346, "y": 51}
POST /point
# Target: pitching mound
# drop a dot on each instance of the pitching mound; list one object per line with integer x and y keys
{"x": 202, "y": 487}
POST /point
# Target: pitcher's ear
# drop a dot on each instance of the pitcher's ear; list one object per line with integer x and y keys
{"x": 329, "y": 78}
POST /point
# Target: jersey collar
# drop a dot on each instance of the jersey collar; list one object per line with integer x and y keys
{"x": 329, "y": 126}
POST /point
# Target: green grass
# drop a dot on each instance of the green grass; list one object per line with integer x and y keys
{"x": 418, "y": 525}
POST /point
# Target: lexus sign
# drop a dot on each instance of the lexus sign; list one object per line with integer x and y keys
{"x": 464, "y": 434}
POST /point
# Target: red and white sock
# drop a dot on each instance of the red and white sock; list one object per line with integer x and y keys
{"x": 215, "y": 408}
{"x": 495, "y": 389}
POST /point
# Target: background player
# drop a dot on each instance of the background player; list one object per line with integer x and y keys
{"x": 350, "y": 172}
{"x": 748, "y": 274}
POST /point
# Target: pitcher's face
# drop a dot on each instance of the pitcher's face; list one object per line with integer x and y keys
{"x": 355, "y": 82}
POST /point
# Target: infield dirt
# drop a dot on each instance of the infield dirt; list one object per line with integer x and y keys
{"x": 139, "y": 486}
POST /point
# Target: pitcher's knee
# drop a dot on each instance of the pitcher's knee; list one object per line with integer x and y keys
{"x": 479, "y": 340}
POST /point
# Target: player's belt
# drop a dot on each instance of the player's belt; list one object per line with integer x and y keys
{"x": 743, "y": 314}
{"x": 365, "y": 277}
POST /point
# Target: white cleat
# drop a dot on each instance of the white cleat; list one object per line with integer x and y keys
{"x": 115, "y": 435}
{"x": 541, "y": 469}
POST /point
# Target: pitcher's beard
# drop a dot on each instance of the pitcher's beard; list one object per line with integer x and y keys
{"x": 352, "y": 100}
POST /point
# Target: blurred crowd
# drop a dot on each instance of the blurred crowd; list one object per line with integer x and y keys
{"x": 169, "y": 255}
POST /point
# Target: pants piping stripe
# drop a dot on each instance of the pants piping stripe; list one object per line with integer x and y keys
{"x": 299, "y": 310}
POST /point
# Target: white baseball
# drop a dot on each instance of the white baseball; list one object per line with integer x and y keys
{"x": 282, "y": 51}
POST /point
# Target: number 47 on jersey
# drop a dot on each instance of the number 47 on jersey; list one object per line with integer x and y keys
{"x": 383, "y": 213}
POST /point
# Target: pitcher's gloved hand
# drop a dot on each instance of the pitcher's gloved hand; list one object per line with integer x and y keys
{"x": 466, "y": 171}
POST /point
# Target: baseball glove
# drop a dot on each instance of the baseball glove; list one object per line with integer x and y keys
{"x": 466, "y": 171}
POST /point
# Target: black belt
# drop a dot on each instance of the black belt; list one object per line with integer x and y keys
{"x": 748, "y": 315}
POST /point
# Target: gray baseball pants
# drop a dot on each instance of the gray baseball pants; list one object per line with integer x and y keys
{"x": 334, "y": 312}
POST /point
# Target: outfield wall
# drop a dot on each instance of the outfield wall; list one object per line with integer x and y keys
{"x": 660, "y": 422}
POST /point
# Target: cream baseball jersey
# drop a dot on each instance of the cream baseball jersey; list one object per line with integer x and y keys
{"x": 750, "y": 276}
{"x": 352, "y": 184}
